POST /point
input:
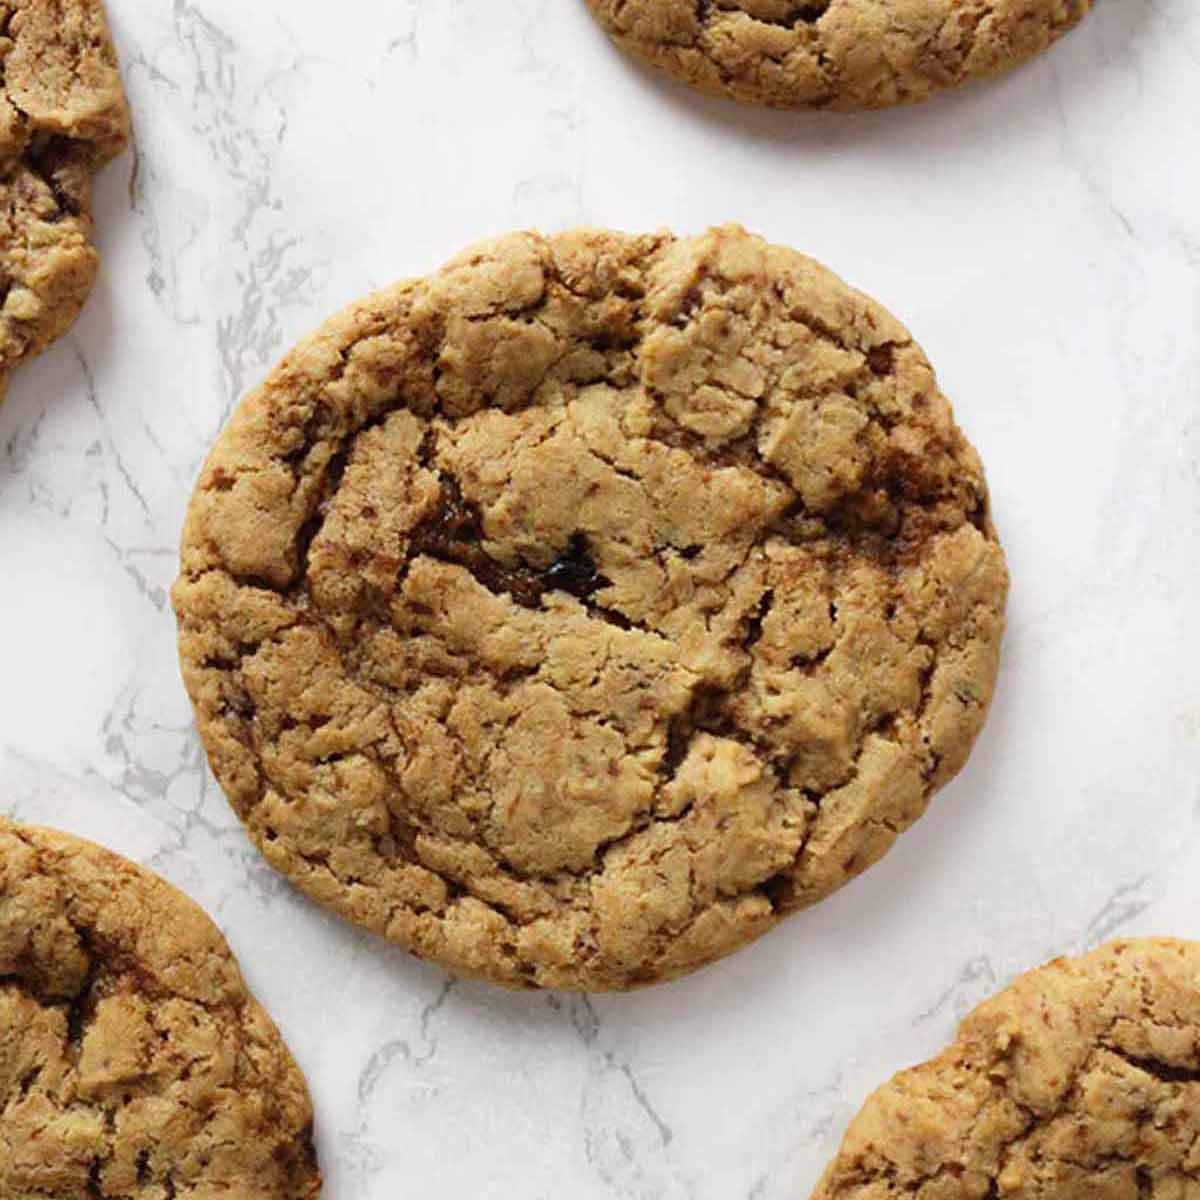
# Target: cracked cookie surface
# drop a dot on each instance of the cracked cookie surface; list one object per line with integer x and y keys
{"x": 571, "y": 615}
{"x": 1081, "y": 1081}
{"x": 62, "y": 117}
{"x": 837, "y": 54}
{"x": 134, "y": 1065}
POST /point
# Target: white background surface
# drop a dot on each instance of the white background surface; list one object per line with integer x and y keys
{"x": 1040, "y": 235}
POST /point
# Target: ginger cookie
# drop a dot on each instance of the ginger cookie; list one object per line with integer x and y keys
{"x": 837, "y": 54}
{"x": 1081, "y": 1081}
{"x": 575, "y": 613}
{"x": 134, "y": 1064}
{"x": 62, "y": 117}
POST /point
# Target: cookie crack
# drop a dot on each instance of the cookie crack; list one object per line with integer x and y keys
{"x": 807, "y": 13}
{"x": 1167, "y": 1073}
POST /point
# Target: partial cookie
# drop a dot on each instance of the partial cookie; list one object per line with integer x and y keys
{"x": 133, "y": 1062}
{"x": 62, "y": 117}
{"x": 1081, "y": 1081}
{"x": 839, "y": 54}
{"x": 573, "y": 614}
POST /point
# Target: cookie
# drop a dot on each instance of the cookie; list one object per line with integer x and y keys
{"x": 133, "y": 1062}
{"x": 573, "y": 614}
{"x": 1081, "y": 1081}
{"x": 62, "y": 117}
{"x": 837, "y": 54}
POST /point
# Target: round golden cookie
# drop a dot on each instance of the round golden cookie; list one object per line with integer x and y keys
{"x": 133, "y": 1062}
{"x": 1081, "y": 1081}
{"x": 573, "y": 614}
{"x": 837, "y": 54}
{"x": 62, "y": 117}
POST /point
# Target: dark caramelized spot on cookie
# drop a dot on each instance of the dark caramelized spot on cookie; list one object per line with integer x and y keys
{"x": 882, "y": 359}
{"x": 453, "y": 533}
{"x": 574, "y": 571}
{"x": 812, "y": 11}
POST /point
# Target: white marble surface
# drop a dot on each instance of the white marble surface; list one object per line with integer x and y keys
{"x": 1041, "y": 235}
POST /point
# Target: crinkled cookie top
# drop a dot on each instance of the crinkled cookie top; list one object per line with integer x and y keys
{"x": 841, "y": 54}
{"x": 134, "y": 1065}
{"x": 62, "y": 117}
{"x": 573, "y": 614}
{"x": 1079, "y": 1082}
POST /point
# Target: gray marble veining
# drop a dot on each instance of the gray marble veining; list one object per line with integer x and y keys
{"x": 1040, "y": 234}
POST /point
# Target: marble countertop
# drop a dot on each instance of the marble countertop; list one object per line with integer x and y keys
{"x": 1040, "y": 235}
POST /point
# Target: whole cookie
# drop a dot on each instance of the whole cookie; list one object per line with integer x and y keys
{"x": 575, "y": 613}
{"x": 133, "y": 1062}
{"x": 62, "y": 117}
{"x": 839, "y": 54}
{"x": 1079, "y": 1082}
